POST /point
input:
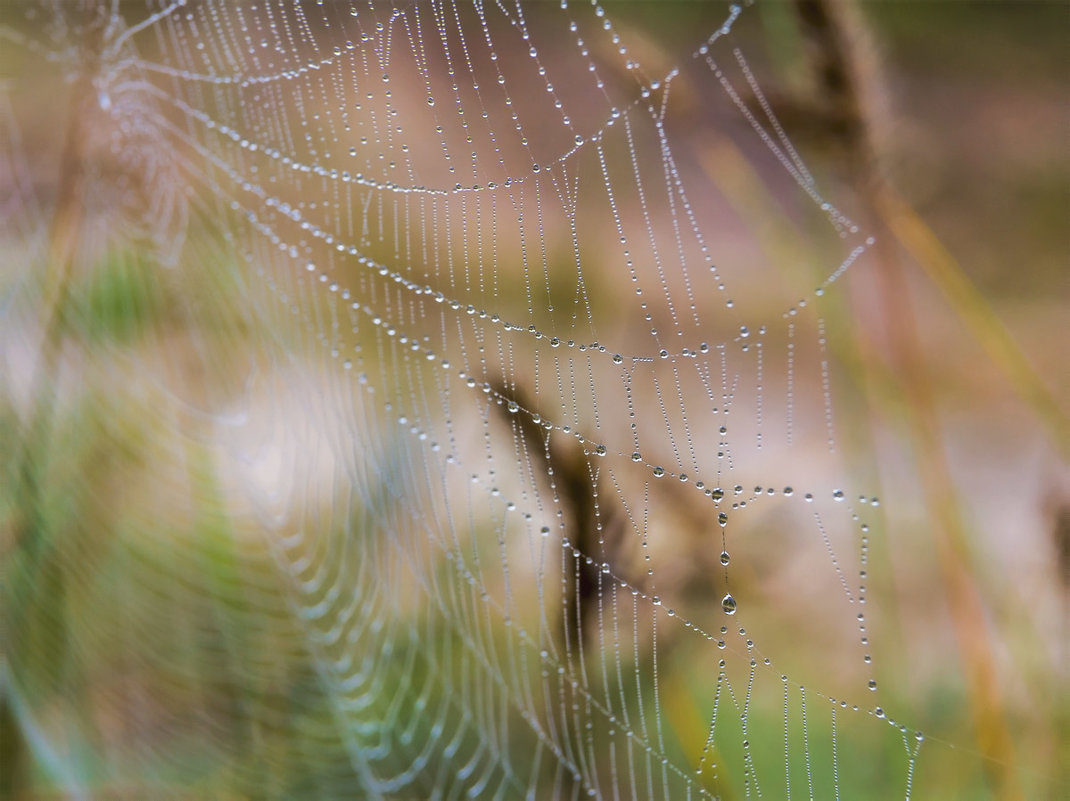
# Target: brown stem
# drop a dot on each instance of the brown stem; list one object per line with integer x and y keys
{"x": 571, "y": 481}
{"x": 835, "y": 31}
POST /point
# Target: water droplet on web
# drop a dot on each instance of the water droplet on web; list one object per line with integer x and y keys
{"x": 722, "y": 519}
{"x": 728, "y": 604}
{"x": 617, "y": 358}
{"x": 513, "y": 407}
{"x": 838, "y": 495}
{"x": 637, "y": 457}
{"x": 725, "y": 558}
{"x": 872, "y": 685}
{"x": 659, "y": 472}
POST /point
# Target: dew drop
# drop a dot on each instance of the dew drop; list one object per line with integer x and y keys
{"x": 725, "y": 558}
{"x": 728, "y": 604}
{"x": 659, "y": 472}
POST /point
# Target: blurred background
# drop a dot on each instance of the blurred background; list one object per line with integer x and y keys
{"x": 214, "y": 466}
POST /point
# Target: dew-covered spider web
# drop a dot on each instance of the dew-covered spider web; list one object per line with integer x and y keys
{"x": 468, "y": 388}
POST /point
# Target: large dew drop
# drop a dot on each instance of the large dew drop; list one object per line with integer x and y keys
{"x": 728, "y": 604}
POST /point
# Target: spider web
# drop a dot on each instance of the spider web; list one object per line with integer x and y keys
{"x": 499, "y": 358}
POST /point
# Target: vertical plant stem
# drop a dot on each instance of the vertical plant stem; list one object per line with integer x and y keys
{"x": 36, "y": 586}
{"x": 837, "y": 34}
{"x": 62, "y": 242}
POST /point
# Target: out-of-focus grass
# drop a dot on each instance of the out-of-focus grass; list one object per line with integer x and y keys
{"x": 121, "y": 301}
